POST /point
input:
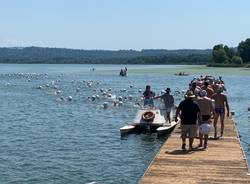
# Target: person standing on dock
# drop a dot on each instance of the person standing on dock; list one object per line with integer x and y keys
{"x": 208, "y": 89}
{"x": 206, "y": 111}
{"x": 169, "y": 103}
{"x": 219, "y": 110}
{"x": 189, "y": 111}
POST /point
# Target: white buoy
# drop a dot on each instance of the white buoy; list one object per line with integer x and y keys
{"x": 97, "y": 97}
{"x": 89, "y": 84}
{"x": 130, "y": 97}
{"x": 109, "y": 95}
{"x": 109, "y": 89}
{"x": 120, "y": 103}
{"x": 139, "y": 90}
{"x": 58, "y": 92}
{"x": 93, "y": 97}
{"x": 120, "y": 98}
{"x": 69, "y": 98}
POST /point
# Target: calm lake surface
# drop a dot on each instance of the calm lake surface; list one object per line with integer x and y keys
{"x": 44, "y": 139}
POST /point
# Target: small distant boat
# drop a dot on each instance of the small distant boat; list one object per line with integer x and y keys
{"x": 123, "y": 72}
{"x": 182, "y": 74}
{"x": 149, "y": 119}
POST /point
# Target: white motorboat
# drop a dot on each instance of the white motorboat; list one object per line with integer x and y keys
{"x": 149, "y": 119}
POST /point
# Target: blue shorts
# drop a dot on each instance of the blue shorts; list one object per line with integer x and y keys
{"x": 219, "y": 110}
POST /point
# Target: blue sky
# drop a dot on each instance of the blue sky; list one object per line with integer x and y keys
{"x": 124, "y": 24}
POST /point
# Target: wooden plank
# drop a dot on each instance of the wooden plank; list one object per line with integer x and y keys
{"x": 222, "y": 162}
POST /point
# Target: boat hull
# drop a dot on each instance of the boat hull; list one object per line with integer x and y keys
{"x": 127, "y": 129}
{"x": 166, "y": 129}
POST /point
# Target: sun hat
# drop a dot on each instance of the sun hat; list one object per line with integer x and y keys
{"x": 168, "y": 90}
{"x": 189, "y": 94}
{"x": 205, "y": 128}
{"x": 203, "y": 93}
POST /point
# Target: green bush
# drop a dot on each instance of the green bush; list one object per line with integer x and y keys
{"x": 237, "y": 60}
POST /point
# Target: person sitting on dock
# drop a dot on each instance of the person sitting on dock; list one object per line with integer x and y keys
{"x": 189, "y": 111}
{"x": 220, "y": 103}
{"x": 169, "y": 103}
{"x": 206, "y": 110}
{"x": 148, "y": 96}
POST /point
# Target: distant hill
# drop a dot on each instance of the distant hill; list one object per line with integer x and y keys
{"x": 62, "y": 55}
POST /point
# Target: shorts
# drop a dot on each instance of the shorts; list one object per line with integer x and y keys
{"x": 189, "y": 131}
{"x": 169, "y": 109}
{"x": 204, "y": 128}
{"x": 219, "y": 110}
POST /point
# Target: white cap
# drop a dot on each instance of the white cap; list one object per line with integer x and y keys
{"x": 203, "y": 93}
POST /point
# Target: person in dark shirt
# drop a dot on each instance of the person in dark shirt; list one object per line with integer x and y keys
{"x": 189, "y": 111}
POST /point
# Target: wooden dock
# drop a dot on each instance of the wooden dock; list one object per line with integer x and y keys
{"x": 223, "y": 162}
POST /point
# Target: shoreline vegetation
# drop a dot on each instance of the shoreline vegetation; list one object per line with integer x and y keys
{"x": 220, "y": 56}
{"x": 228, "y": 65}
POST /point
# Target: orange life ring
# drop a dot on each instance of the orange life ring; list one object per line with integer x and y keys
{"x": 148, "y": 116}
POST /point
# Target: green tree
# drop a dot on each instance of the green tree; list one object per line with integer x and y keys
{"x": 219, "y": 54}
{"x": 230, "y": 52}
{"x": 244, "y": 50}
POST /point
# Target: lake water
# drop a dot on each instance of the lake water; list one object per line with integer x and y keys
{"x": 44, "y": 139}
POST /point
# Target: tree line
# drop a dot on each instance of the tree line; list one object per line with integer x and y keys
{"x": 240, "y": 55}
{"x": 77, "y": 56}
{"x": 220, "y": 55}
